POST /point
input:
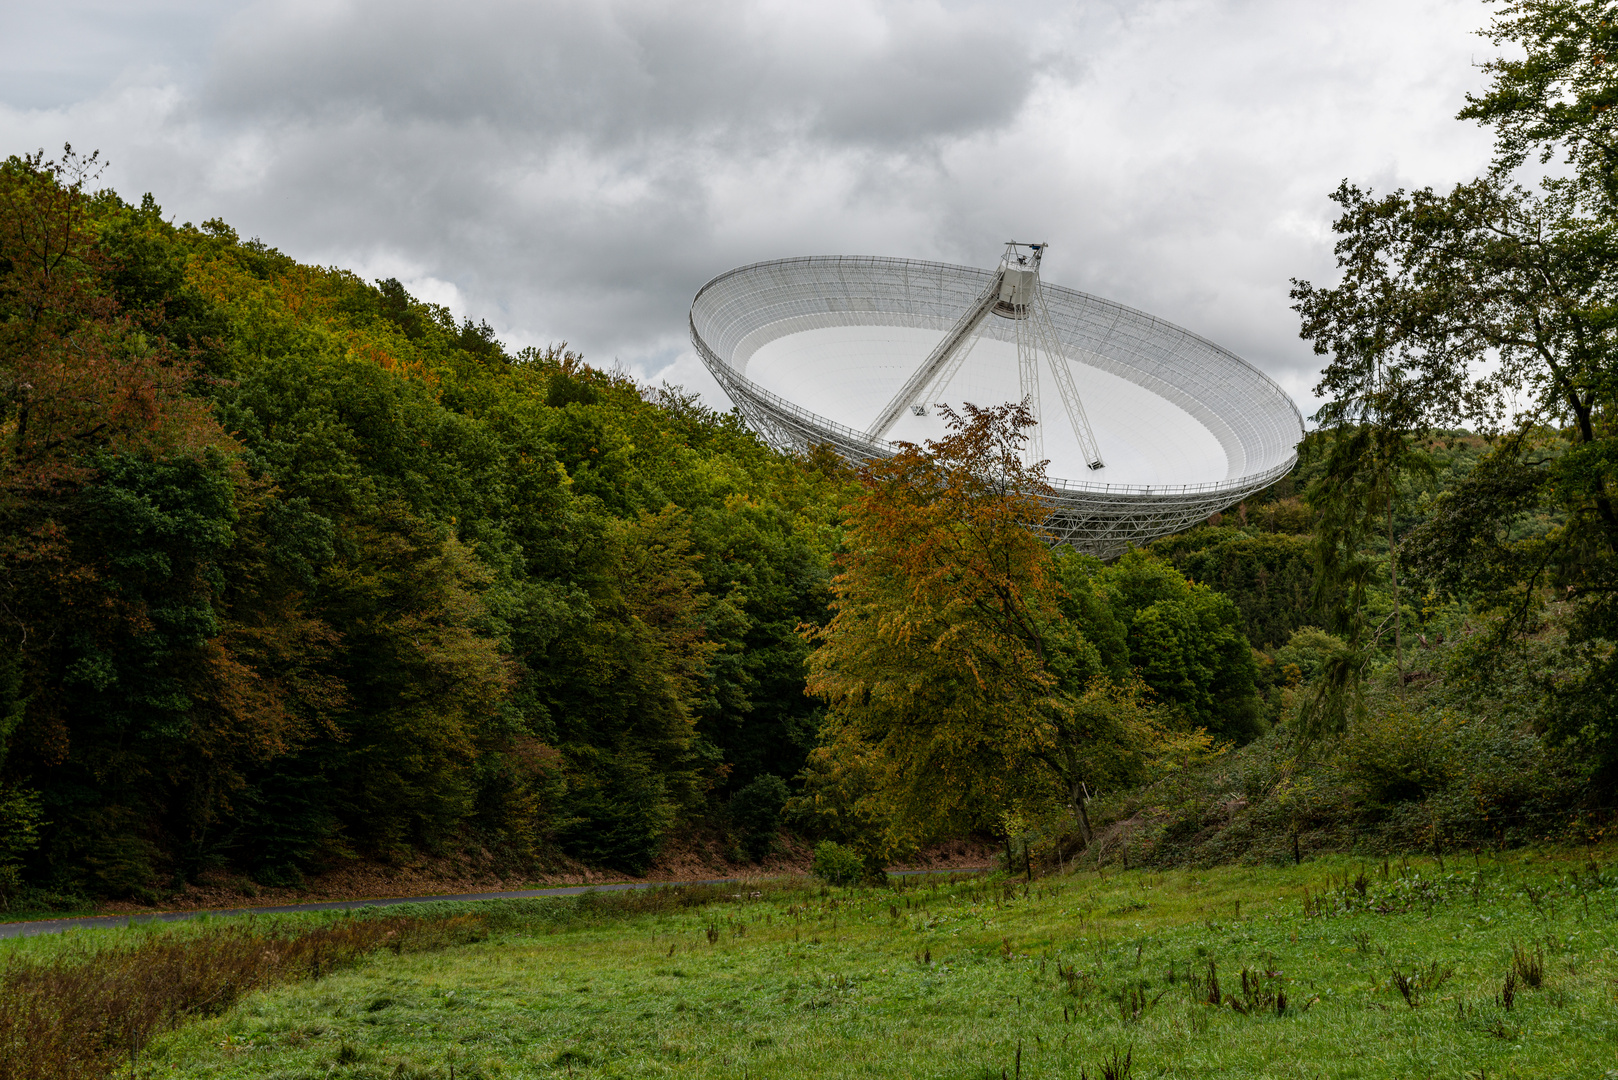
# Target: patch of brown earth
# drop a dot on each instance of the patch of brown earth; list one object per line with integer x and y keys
{"x": 952, "y": 855}
{"x": 695, "y": 856}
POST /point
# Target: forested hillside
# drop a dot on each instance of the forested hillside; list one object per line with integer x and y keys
{"x": 297, "y": 568}
{"x": 1461, "y": 689}
{"x": 1260, "y": 687}
{"x": 1445, "y": 726}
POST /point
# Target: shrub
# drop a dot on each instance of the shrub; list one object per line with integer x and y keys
{"x": 1398, "y": 755}
{"x": 1308, "y": 649}
{"x": 837, "y": 865}
{"x": 20, "y": 818}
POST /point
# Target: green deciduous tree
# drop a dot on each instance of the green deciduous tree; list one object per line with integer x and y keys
{"x": 1182, "y": 639}
{"x": 1269, "y": 576}
{"x": 1492, "y": 304}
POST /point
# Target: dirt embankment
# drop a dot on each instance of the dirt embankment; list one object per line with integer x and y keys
{"x": 688, "y": 858}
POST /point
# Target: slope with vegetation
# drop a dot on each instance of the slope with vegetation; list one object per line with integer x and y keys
{"x": 1460, "y": 689}
{"x": 296, "y": 570}
{"x": 1433, "y": 593}
{"x": 301, "y": 573}
{"x": 1445, "y": 737}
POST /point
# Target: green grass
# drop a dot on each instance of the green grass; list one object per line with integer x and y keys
{"x": 805, "y": 983}
{"x": 42, "y": 947}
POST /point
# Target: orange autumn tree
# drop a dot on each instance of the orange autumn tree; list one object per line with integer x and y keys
{"x": 76, "y": 372}
{"x": 959, "y": 695}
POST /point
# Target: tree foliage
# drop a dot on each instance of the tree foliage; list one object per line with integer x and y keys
{"x": 935, "y": 653}
{"x": 1269, "y": 575}
{"x": 960, "y": 681}
{"x": 295, "y": 568}
{"x": 1492, "y": 304}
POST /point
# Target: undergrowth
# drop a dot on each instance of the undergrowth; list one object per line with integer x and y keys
{"x": 1446, "y": 758}
{"x": 81, "y": 1013}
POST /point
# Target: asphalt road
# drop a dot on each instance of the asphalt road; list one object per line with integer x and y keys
{"x": 56, "y": 926}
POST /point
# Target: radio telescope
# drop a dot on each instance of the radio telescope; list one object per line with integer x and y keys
{"x": 1151, "y": 428}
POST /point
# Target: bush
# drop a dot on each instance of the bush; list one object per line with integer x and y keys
{"x": 20, "y": 818}
{"x": 1399, "y": 756}
{"x": 1308, "y": 649}
{"x": 838, "y": 865}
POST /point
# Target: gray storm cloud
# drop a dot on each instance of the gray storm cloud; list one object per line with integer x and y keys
{"x": 576, "y": 171}
{"x": 628, "y": 76}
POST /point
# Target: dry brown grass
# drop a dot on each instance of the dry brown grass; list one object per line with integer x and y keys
{"x": 82, "y": 1015}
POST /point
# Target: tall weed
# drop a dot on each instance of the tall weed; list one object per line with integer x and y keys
{"x": 81, "y": 1015}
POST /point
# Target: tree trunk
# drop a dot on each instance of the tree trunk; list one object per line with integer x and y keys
{"x": 1078, "y": 796}
{"x": 1393, "y": 573}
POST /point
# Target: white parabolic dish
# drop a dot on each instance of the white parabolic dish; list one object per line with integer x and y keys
{"x": 812, "y": 349}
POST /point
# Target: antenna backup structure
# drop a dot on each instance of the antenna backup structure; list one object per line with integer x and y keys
{"x": 855, "y": 352}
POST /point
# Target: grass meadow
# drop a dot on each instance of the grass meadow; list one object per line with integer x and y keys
{"x": 1483, "y": 967}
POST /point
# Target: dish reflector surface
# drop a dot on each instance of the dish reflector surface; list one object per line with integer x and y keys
{"x": 847, "y": 373}
{"x": 812, "y": 349}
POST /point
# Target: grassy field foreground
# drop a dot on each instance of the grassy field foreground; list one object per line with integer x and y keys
{"x": 1491, "y": 967}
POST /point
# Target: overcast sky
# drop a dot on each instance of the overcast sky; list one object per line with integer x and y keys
{"x": 576, "y": 170}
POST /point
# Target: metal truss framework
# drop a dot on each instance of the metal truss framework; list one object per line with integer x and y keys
{"x": 1012, "y": 293}
{"x": 1257, "y": 425}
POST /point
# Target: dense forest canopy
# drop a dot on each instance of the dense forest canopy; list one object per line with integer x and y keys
{"x": 295, "y": 565}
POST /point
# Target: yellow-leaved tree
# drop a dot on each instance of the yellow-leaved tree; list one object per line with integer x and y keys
{"x": 957, "y": 691}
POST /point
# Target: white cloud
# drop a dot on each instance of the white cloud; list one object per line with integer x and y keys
{"x": 577, "y": 171}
